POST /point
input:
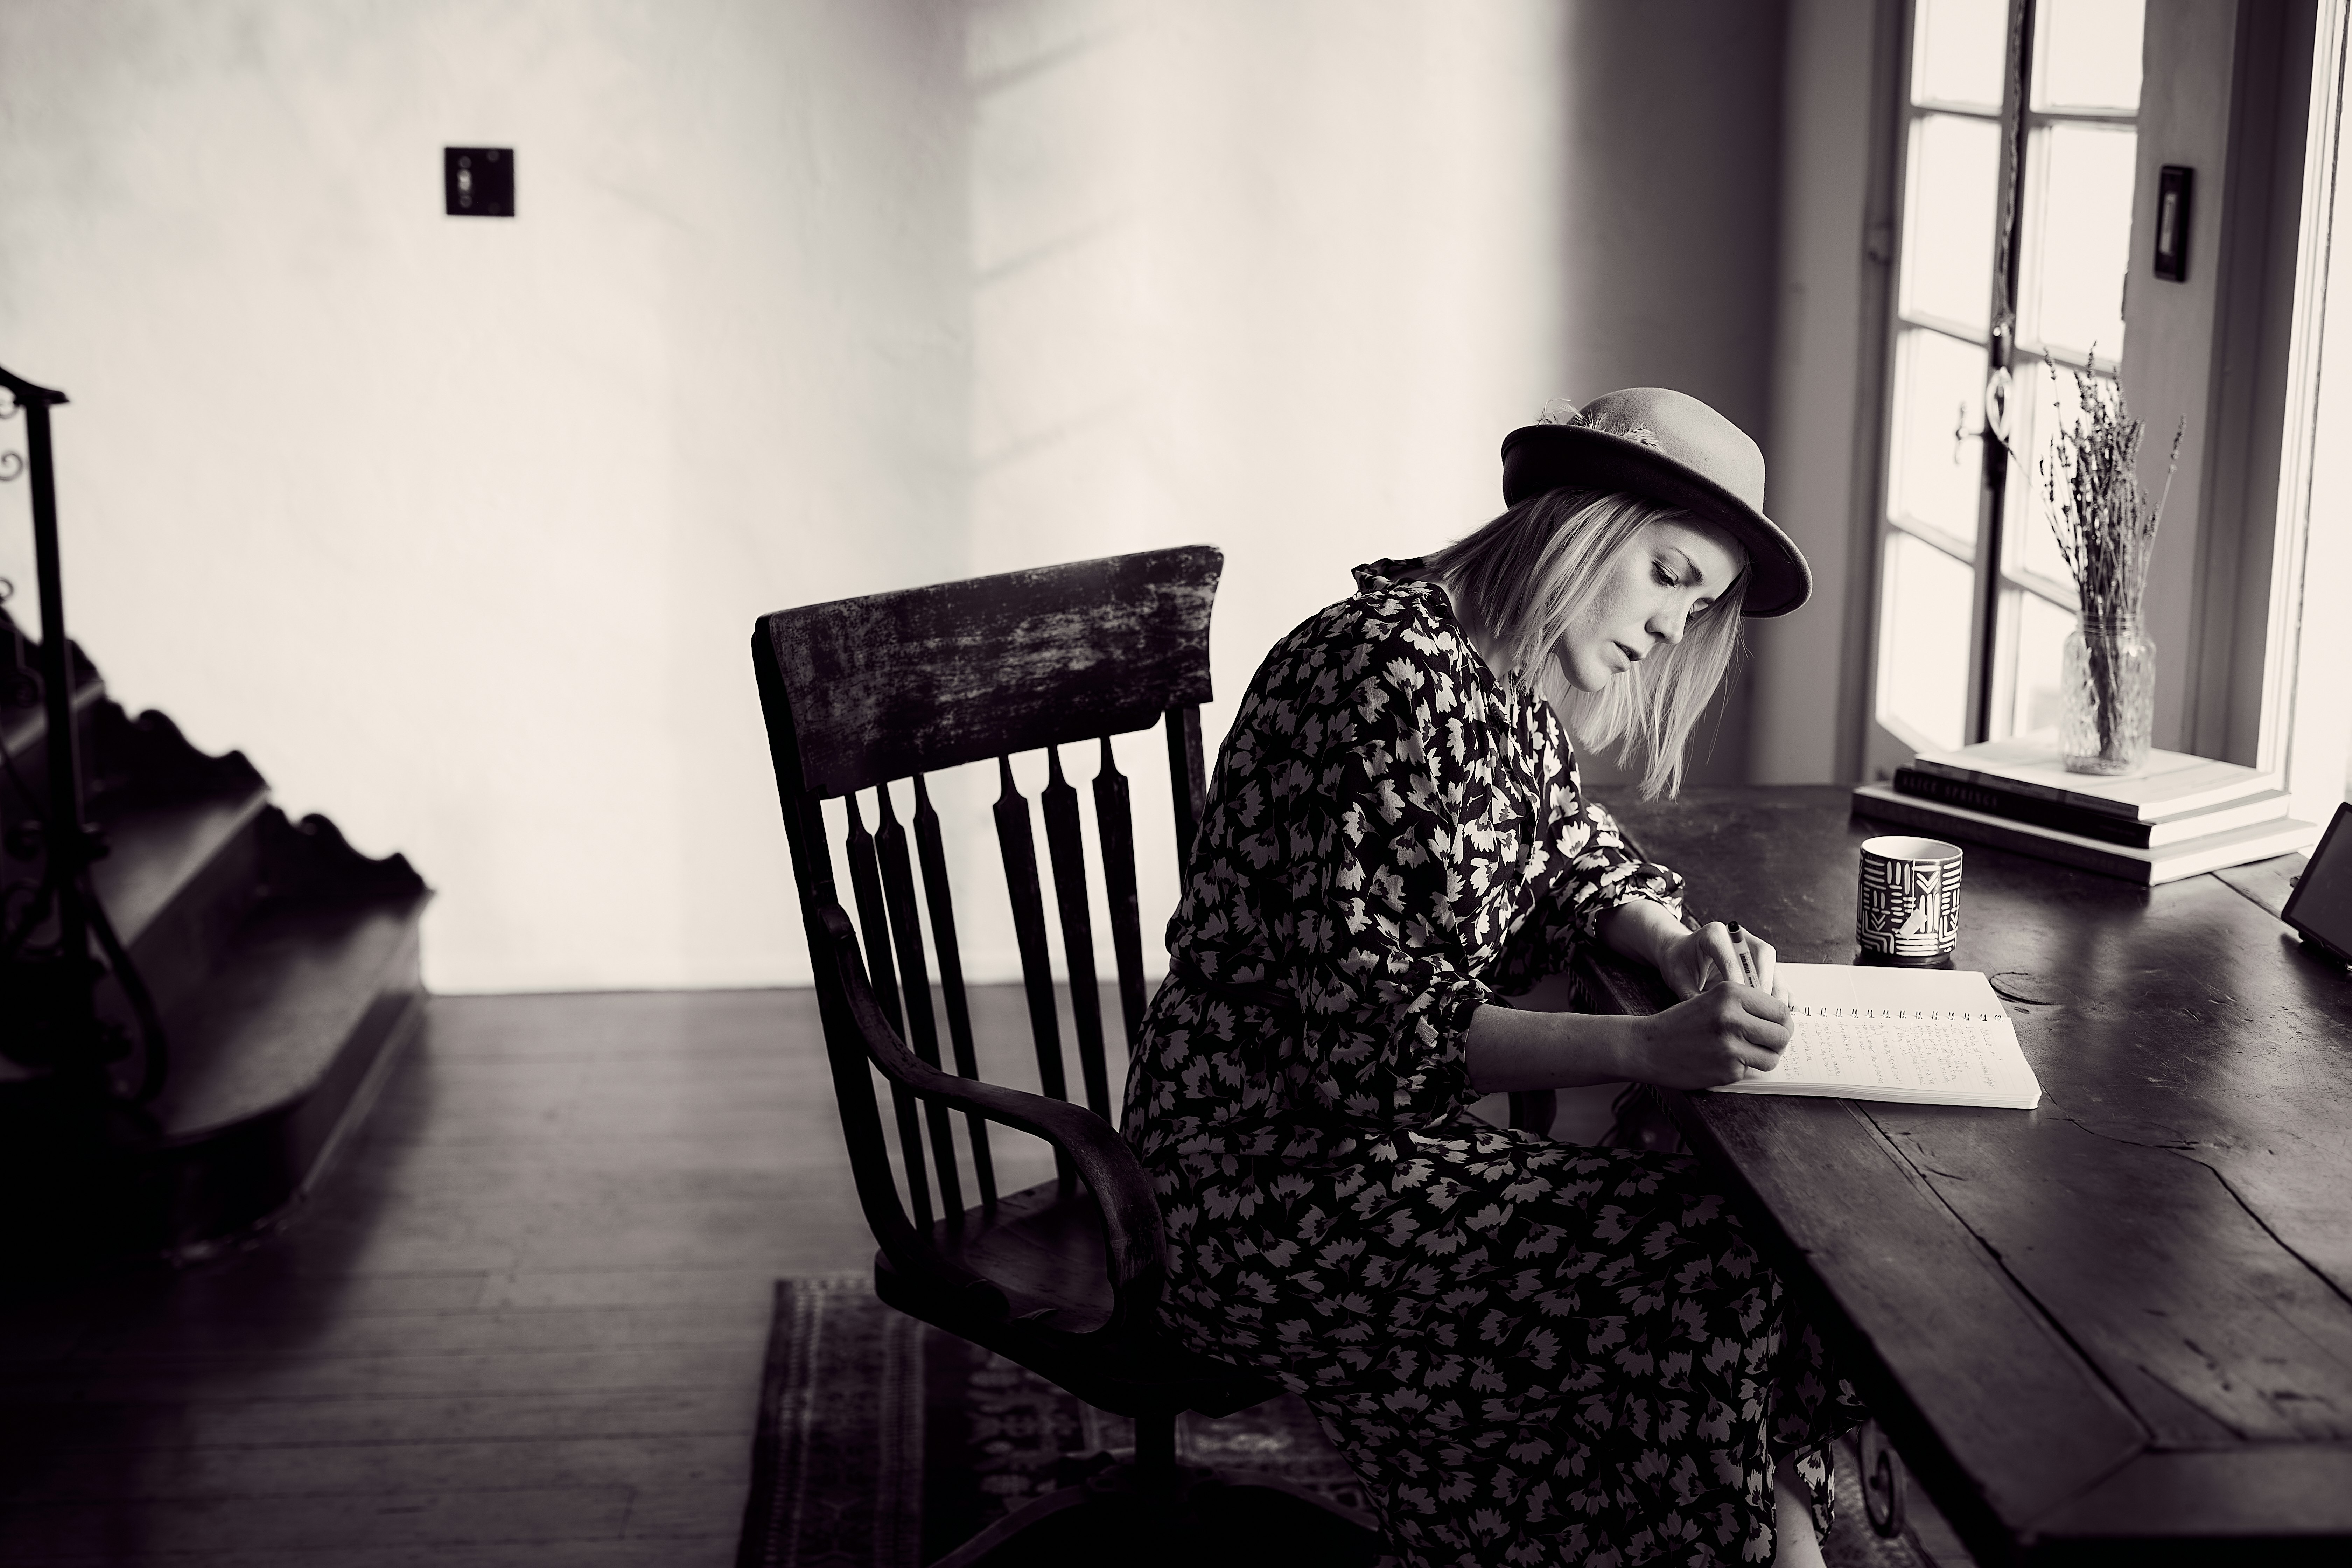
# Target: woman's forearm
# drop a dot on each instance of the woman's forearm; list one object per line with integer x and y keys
{"x": 1509, "y": 1049}
{"x": 1640, "y": 929}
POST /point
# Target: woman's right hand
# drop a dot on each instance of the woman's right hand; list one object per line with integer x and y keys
{"x": 1713, "y": 1038}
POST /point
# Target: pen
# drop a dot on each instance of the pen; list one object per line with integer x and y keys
{"x": 1739, "y": 946}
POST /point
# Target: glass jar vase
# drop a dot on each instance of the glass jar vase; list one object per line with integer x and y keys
{"x": 2109, "y": 679}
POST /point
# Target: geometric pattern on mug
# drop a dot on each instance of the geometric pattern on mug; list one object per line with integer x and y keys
{"x": 1909, "y": 907}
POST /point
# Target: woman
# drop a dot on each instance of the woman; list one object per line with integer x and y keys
{"x": 1531, "y": 1352}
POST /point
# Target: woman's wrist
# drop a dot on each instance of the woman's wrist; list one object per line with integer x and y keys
{"x": 1623, "y": 1044}
{"x": 1643, "y": 930}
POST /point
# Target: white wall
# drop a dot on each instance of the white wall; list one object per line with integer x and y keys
{"x": 1274, "y": 278}
{"x": 1672, "y": 222}
{"x": 457, "y": 526}
{"x": 1280, "y": 277}
{"x": 1817, "y": 383}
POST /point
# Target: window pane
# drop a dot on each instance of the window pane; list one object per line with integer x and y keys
{"x": 2078, "y": 238}
{"x": 1922, "y": 643}
{"x": 1947, "y": 218}
{"x": 2087, "y": 55}
{"x": 2042, "y": 629}
{"x": 1938, "y": 457}
{"x": 1958, "y": 51}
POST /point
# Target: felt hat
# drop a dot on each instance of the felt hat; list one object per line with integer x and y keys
{"x": 1669, "y": 447}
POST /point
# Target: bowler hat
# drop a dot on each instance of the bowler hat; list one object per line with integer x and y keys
{"x": 1669, "y": 447}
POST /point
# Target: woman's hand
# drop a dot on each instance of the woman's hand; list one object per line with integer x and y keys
{"x": 1695, "y": 960}
{"x": 1716, "y": 1037}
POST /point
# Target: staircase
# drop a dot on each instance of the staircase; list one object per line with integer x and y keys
{"x": 282, "y": 964}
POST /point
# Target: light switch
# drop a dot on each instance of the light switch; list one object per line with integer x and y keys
{"x": 478, "y": 181}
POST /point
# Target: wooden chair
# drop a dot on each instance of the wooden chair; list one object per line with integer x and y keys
{"x": 1064, "y": 1277}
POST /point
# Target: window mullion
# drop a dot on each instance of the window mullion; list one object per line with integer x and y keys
{"x": 1985, "y": 624}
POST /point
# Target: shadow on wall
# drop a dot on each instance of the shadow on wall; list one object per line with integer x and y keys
{"x": 1672, "y": 235}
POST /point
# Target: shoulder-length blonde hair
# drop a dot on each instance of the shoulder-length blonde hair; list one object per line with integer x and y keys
{"x": 1518, "y": 581}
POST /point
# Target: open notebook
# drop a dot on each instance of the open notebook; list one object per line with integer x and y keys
{"x": 1921, "y": 1036}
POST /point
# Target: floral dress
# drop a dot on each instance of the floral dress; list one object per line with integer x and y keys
{"x": 1531, "y": 1352}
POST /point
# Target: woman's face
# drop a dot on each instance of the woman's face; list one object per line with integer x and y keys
{"x": 1648, "y": 591}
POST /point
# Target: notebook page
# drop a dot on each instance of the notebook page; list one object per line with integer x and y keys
{"x": 1928, "y": 1035}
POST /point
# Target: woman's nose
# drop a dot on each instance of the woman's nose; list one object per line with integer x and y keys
{"x": 1666, "y": 625}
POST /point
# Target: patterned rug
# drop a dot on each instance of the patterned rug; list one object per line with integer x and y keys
{"x": 884, "y": 1443}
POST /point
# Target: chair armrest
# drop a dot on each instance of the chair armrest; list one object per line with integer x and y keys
{"x": 1604, "y": 982}
{"x": 1134, "y": 1240}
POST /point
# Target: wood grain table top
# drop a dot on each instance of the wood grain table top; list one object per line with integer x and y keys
{"x": 2116, "y": 1327}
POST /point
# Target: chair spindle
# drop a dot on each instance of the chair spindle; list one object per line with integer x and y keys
{"x": 1015, "y": 839}
{"x": 1187, "y": 777}
{"x": 874, "y": 929}
{"x": 915, "y": 982}
{"x": 1066, "y": 846}
{"x": 930, "y": 852}
{"x": 1018, "y": 842}
{"x": 1115, "y": 822}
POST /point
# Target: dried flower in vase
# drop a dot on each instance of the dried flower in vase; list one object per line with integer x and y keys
{"x": 2105, "y": 527}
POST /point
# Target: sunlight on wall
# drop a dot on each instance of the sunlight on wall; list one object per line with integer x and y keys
{"x": 1274, "y": 278}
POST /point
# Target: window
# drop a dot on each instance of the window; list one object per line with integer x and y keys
{"x": 2019, "y": 171}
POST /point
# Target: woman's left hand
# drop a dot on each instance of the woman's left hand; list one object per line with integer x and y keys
{"x": 1697, "y": 959}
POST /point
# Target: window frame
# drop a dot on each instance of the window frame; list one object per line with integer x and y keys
{"x": 2300, "y": 737}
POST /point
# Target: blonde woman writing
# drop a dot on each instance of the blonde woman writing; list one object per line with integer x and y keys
{"x": 1531, "y": 1352}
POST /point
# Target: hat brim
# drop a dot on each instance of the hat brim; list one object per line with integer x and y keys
{"x": 1540, "y": 458}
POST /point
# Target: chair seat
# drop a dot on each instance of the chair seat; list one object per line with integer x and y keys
{"x": 1042, "y": 1247}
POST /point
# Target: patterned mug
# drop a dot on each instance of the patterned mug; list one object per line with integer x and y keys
{"x": 1909, "y": 910}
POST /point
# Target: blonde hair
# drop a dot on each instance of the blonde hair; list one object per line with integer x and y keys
{"x": 1516, "y": 584}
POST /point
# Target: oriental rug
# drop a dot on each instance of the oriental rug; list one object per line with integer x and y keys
{"x": 884, "y": 1443}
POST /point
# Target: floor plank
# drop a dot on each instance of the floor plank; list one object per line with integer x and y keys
{"x": 522, "y": 1322}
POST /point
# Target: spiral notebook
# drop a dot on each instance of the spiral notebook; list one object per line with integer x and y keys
{"x": 1917, "y": 1037}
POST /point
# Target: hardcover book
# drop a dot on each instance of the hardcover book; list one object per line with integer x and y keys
{"x": 2171, "y": 783}
{"x": 2164, "y": 863}
{"x": 2134, "y": 833}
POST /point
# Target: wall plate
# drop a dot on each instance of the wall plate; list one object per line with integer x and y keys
{"x": 478, "y": 181}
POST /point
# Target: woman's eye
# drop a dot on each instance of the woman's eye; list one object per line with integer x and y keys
{"x": 1666, "y": 579}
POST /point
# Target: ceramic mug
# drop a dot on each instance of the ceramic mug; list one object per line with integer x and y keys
{"x": 1909, "y": 912}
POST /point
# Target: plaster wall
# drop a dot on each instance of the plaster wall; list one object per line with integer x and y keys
{"x": 457, "y": 526}
{"x": 1817, "y": 379}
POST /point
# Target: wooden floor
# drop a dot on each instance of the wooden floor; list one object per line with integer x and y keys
{"x": 521, "y": 1321}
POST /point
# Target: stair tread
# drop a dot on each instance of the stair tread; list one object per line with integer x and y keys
{"x": 279, "y": 1005}
{"x": 26, "y": 727}
{"x": 157, "y": 849}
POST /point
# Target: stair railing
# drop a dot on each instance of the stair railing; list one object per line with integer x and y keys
{"x": 53, "y": 993}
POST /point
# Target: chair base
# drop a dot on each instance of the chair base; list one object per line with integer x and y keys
{"x": 1232, "y": 1519}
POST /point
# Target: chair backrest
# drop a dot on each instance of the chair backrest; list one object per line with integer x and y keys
{"x": 860, "y": 693}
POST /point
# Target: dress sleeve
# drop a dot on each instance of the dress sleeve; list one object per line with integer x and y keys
{"x": 1598, "y": 873}
{"x": 1355, "y": 859}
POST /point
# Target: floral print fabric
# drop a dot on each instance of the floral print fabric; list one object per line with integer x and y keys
{"x": 1533, "y": 1353}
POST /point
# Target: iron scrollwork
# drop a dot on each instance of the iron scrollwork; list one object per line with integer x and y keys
{"x": 57, "y": 944}
{"x": 11, "y": 463}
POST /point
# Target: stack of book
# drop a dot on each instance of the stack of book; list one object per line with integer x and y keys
{"x": 2176, "y": 817}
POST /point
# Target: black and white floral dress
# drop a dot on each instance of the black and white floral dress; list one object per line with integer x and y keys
{"x": 1531, "y": 1352}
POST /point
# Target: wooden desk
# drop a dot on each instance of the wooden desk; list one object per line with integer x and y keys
{"x": 2115, "y": 1328}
